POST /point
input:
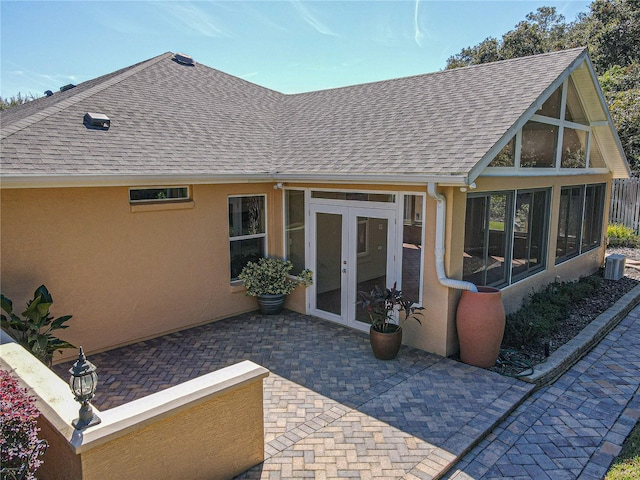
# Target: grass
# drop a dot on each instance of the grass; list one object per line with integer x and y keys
{"x": 627, "y": 465}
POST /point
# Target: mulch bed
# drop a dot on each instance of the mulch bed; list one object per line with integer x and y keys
{"x": 581, "y": 315}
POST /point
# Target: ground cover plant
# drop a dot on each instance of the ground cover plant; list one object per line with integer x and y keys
{"x": 19, "y": 444}
{"x": 627, "y": 465}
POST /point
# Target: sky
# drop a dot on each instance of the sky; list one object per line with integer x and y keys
{"x": 287, "y": 45}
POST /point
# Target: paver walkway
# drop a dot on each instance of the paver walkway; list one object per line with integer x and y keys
{"x": 573, "y": 428}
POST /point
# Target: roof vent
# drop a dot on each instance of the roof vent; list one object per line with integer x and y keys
{"x": 67, "y": 87}
{"x": 97, "y": 121}
{"x": 184, "y": 59}
{"x": 48, "y": 93}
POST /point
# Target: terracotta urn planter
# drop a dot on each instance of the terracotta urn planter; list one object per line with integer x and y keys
{"x": 385, "y": 346}
{"x": 480, "y": 321}
{"x": 271, "y": 304}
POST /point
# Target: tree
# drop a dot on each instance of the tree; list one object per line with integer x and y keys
{"x": 541, "y": 32}
{"x": 19, "y": 99}
{"x": 621, "y": 86}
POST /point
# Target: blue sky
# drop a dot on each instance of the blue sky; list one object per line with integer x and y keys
{"x": 289, "y": 46}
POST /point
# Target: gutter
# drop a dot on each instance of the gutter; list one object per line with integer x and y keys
{"x": 439, "y": 248}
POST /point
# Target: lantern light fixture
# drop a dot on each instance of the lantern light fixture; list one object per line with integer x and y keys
{"x": 83, "y": 383}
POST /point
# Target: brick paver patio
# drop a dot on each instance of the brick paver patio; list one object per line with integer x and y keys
{"x": 331, "y": 409}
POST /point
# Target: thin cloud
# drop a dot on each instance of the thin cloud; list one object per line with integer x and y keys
{"x": 308, "y": 17}
{"x": 418, "y": 35}
{"x": 195, "y": 19}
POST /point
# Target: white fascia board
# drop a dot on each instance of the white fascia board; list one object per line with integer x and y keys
{"x": 67, "y": 181}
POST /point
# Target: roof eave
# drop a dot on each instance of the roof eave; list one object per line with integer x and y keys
{"x": 69, "y": 181}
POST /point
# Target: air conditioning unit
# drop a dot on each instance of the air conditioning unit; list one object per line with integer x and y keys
{"x": 614, "y": 267}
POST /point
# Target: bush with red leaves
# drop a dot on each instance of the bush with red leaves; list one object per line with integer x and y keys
{"x": 19, "y": 432}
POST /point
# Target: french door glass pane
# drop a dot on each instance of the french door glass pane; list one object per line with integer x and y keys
{"x": 371, "y": 263}
{"x": 328, "y": 262}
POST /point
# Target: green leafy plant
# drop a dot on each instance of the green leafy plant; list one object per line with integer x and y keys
{"x": 270, "y": 276}
{"x": 33, "y": 330}
{"x": 383, "y": 306}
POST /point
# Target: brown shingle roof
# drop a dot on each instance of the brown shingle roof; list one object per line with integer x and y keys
{"x": 169, "y": 120}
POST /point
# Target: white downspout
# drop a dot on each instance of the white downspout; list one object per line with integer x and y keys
{"x": 440, "y": 236}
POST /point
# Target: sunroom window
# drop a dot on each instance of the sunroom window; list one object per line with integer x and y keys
{"x": 580, "y": 220}
{"x": 505, "y": 241}
{"x": 574, "y": 149}
{"x": 247, "y": 231}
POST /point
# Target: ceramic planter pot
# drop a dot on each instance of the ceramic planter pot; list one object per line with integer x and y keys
{"x": 271, "y": 304}
{"x": 385, "y": 345}
{"x": 480, "y": 320}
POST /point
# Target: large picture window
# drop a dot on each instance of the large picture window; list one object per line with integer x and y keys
{"x": 505, "y": 236}
{"x": 247, "y": 231}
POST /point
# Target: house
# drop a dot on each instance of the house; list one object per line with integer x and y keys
{"x": 138, "y": 196}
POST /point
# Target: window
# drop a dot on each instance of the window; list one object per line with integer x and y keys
{"x": 538, "y": 145}
{"x": 530, "y": 233}
{"x": 158, "y": 194}
{"x": 486, "y": 242}
{"x": 569, "y": 223}
{"x": 356, "y": 196}
{"x": 506, "y": 156}
{"x": 294, "y": 228}
{"x": 412, "y": 259}
{"x": 593, "y": 212}
{"x": 580, "y": 220}
{"x": 247, "y": 231}
{"x": 505, "y": 236}
{"x": 558, "y": 135}
{"x": 574, "y": 149}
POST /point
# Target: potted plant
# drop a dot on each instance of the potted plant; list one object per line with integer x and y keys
{"x": 270, "y": 282}
{"x": 388, "y": 310}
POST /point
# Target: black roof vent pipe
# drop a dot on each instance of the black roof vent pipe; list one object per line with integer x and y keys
{"x": 48, "y": 93}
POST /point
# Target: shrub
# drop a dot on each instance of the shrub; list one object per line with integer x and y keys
{"x": 621, "y": 235}
{"x": 270, "y": 276}
{"x": 19, "y": 444}
{"x": 540, "y": 316}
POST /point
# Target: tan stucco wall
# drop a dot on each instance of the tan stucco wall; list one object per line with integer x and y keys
{"x": 128, "y": 276}
{"x": 125, "y": 275}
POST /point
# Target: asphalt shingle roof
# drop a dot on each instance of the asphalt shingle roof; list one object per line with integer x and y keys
{"x": 172, "y": 119}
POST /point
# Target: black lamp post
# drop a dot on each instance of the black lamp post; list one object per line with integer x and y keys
{"x": 83, "y": 383}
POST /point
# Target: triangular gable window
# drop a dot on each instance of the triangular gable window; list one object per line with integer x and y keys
{"x": 551, "y": 108}
{"x": 574, "y": 111}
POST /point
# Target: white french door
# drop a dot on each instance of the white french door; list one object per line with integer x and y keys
{"x": 352, "y": 249}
